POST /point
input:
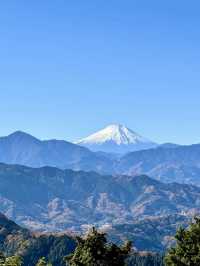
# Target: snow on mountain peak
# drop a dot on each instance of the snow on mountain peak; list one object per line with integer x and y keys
{"x": 116, "y": 133}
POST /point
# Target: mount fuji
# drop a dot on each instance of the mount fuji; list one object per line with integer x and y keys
{"x": 116, "y": 138}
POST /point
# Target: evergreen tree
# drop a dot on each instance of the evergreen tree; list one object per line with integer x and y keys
{"x": 93, "y": 250}
{"x": 149, "y": 259}
{"x": 13, "y": 261}
{"x": 42, "y": 262}
{"x": 187, "y": 249}
{"x": 2, "y": 258}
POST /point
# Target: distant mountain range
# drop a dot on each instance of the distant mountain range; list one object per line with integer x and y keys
{"x": 50, "y": 199}
{"x": 178, "y": 164}
{"x": 55, "y": 185}
{"x": 116, "y": 138}
{"x": 167, "y": 162}
{"x": 24, "y": 149}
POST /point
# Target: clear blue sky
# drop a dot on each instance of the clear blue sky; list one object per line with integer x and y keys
{"x": 68, "y": 68}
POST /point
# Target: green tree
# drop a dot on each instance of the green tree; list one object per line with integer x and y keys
{"x": 42, "y": 262}
{"x": 13, "y": 261}
{"x": 94, "y": 250}
{"x": 145, "y": 259}
{"x": 2, "y": 258}
{"x": 187, "y": 249}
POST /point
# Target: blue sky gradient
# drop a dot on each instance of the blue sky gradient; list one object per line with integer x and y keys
{"x": 68, "y": 68}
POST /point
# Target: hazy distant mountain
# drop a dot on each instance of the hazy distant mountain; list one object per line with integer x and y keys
{"x": 168, "y": 162}
{"x": 180, "y": 164}
{"x": 169, "y": 145}
{"x": 52, "y": 199}
{"x": 22, "y": 148}
{"x": 116, "y": 138}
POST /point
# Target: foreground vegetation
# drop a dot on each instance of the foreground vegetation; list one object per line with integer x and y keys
{"x": 20, "y": 248}
{"x": 94, "y": 250}
{"x": 91, "y": 250}
{"x": 187, "y": 249}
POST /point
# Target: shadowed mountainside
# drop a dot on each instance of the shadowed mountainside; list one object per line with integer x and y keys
{"x": 15, "y": 240}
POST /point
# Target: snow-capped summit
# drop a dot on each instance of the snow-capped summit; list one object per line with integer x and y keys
{"x": 116, "y": 138}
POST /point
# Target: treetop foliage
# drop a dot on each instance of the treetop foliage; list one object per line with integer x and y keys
{"x": 94, "y": 250}
{"x": 187, "y": 249}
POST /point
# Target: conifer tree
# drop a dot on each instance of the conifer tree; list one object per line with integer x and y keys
{"x": 13, "y": 261}
{"x": 2, "y": 258}
{"x": 94, "y": 250}
{"x": 187, "y": 249}
{"x": 42, "y": 262}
